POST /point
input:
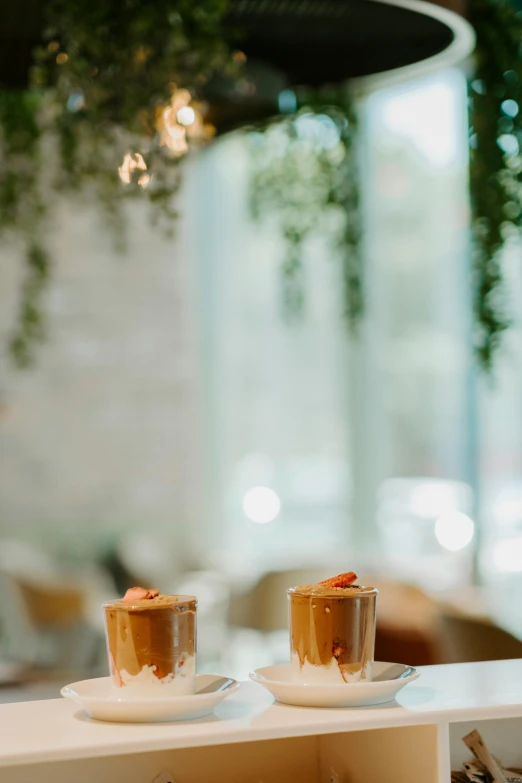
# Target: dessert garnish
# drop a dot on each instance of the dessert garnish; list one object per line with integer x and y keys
{"x": 341, "y": 580}
{"x": 139, "y": 594}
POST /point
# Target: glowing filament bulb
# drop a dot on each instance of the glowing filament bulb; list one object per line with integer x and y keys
{"x": 186, "y": 115}
{"x": 130, "y": 164}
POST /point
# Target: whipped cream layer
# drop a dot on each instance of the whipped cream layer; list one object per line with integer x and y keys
{"x": 330, "y": 673}
{"x": 145, "y": 684}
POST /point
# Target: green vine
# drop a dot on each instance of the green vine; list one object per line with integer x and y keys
{"x": 22, "y": 207}
{"x": 100, "y": 119}
{"x": 31, "y": 327}
{"x": 103, "y": 104}
{"x": 304, "y": 172}
{"x": 301, "y": 183}
{"x": 496, "y": 163}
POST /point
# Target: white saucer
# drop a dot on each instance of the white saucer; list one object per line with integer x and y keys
{"x": 100, "y": 700}
{"x": 388, "y": 679}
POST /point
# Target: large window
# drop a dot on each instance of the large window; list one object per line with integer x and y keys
{"x": 318, "y": 441}
{"x": 277, "y": 395}
{"x": 418, "y": 474}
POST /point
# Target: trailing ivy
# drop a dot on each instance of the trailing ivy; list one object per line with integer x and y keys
{"x": 31, "y": 328}
{"x": 104, "y": 77}
{"x": 301, "y": 182}
{"x": 107, "y": 82}
{"x": 496, "y": 162}
{"x": 22, "y": 209}
{"x": 304, "y": 174}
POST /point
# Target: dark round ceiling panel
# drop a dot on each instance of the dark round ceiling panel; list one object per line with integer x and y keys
{"x": 287, "y": 43}
{"x": 311, "y": 43}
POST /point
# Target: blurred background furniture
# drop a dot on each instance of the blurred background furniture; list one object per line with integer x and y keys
{"x": 408, "y": 624}
{"x": 469, "y": 638}
{"x": 50, "y": 616}
{"x": 51, "y": 622}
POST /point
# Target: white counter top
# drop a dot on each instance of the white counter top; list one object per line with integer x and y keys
{"x": 55, "y": 730}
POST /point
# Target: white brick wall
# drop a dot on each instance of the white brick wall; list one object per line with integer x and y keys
{"x": 102, "y": 433}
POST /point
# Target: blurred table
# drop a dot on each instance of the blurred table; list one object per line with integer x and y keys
{"x": 32, "y": 691}
{"x": 22, "y": 684}
{"x": 500, "y": 603}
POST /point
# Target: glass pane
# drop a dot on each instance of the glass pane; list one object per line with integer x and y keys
{"x": 277, "y": 393}
{"x": 416, "y": 476}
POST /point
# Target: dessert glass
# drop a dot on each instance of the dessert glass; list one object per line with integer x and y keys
{"x": 151, "y": 645}
{"x": 332, "y": 633}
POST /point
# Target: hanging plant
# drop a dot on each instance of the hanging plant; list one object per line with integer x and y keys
{"x": 113, "y": 102}
{"x": 300, "y": 182}
{"x": 304, "y": 173}
{"x": 496, "y": 162}
{"x": 22, "y": 206}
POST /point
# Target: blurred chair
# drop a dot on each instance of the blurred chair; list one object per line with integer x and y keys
{"x": 264, "y": 606}
{"x": 407, "y": 645}
{"x": 469, "y": 638}
{"x": 18, "y": 636}
{"x": 48, "y": 617}
{"x": 152, "y": 561}
{"x": 408, "y": 623}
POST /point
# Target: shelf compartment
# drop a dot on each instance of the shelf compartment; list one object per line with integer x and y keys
{"x": 405, "y": 754}
{"x": 269, "y": 761}
{"x": 503, "y": 737}
{"x": 398, "y": 755}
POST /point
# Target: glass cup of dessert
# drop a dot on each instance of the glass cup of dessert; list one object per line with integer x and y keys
{"x": 151, "y": 643}
{"x": 332, "y": 631}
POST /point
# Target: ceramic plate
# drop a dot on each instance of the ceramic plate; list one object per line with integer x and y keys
{"x": 100, "y": 700}
{"x": 388, "y": 679}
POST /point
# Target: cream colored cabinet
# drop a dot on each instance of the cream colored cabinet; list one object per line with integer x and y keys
{"x": 251, "y": 739}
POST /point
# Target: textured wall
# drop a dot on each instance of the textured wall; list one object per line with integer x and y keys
{"x": 101, "y": 434}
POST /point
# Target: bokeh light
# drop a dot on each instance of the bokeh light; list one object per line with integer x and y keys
{"x": 261, "y": 505}
{"x": 454, "y": 530}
